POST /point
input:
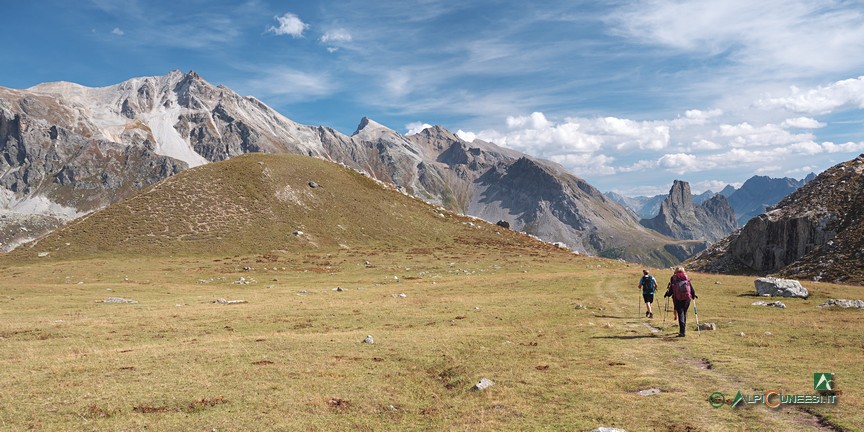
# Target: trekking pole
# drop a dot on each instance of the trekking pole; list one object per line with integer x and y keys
{"x": 666, "y": 311}
{"x": 639, "y": 305}
{"x": 698, "y": 330}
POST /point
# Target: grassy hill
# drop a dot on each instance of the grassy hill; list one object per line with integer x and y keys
{"x": 448, "y": 301}
{"x": 257, "y": 203}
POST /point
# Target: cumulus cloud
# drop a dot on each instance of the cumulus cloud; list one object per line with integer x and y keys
{"x": 680, "y": 163}
{"x": 840, "y": 95}
{"x": 695, "y": 117}
{"x": 290, "y": 25}
{"x": 598, "y": 164}
{"x": 802, "y": 123}
{"x": 416, "y": 127}
{"x": 535, "y": 134}
{"x": 747, "y": 135}
{"x": 117, "y": 31}
{"x": 466, "y": 136}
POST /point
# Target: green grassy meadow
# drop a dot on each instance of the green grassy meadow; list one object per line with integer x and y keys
{"x": 292, "y": 358}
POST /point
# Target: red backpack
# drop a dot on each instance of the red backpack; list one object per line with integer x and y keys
{"x": 681, "y": 287}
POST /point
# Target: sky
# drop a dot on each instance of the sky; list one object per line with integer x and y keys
{"x": 629, "y": 95}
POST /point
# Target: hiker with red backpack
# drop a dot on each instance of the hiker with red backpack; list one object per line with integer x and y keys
{"x": 681, "y": 291}
{"x": 648, "y": 285}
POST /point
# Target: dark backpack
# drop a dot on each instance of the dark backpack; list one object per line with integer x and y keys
{"x": 649, "y": 284}
{"x": 681, "y": 287}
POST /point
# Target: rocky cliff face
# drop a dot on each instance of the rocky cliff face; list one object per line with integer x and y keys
{"x": 68, "y": 150}
{"x": 680, "y": 218}
{"x": 817, "y": 232}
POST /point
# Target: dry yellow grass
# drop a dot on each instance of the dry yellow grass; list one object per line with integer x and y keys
{"x": 479, "y": 302}
{"x": 292, "y": 358}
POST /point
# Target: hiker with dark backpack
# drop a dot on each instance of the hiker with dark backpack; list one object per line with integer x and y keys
{"x": 648, "y": 285}
{"x": 681, "y": 291}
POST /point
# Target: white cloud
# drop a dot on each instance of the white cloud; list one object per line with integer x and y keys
{"x": 820, "y": 100}
{"x": 802, "y": 123}
{"x": 289, "y": 24}
{"x": 795, "y": 37}
{"x": 747, "y": 135}
{"x": 287, "y": 84}
{"x": 416, "y": 127}
{"x": 596, "y": 164}
{"x": 849, "y": 147}
{"x": 537, "y": 135}
{"x": 117, "y": 31}
{"x": 337, "y": 35}
{"x": 680, "y": 163}
{"x": 535, "y": 121}
{"x": 466, "y": 136}
{"x": 695, "y": 117}
{"x": 642, "y": 165}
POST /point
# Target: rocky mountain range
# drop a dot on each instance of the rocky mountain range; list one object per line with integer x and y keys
{"x": 756, "y": 195}
{"x": 68, "y": 150}
{"x": 681, "y": 218}
{"x": 759, "y": 193}
{"x": 816, "y": 233}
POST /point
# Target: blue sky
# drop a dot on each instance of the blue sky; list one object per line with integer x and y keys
{"x": 629, "y": 95}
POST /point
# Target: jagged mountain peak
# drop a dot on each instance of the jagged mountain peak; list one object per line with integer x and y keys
{"x": 369, "y": 127}
{"x": 681, "y": 218}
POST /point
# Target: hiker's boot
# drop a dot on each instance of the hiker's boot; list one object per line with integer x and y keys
{"x": 681, "y": 330}
{"x": 650, "y": 314}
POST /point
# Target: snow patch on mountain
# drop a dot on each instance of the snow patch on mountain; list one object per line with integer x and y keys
{"x": 38, "y": 205}
{"x": 168, "y": 140}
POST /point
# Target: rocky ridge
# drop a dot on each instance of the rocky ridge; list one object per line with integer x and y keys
{"x": 815, "y": 233}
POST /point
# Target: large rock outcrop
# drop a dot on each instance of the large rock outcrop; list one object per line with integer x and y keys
{"x": 817, "y": 233}
{"x": 680, "y": 218}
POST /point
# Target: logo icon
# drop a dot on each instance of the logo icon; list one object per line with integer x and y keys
{"x": 823, "y": 381}
{"x": 738, "y": 398}
{"x": 717, "y": 399}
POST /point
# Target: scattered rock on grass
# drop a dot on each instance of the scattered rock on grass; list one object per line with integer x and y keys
{"x": 648, "y": 392}
{"x": 856, "y": 304}
{"x": 224, "y": 301}
{"x": 780, "y": 287}
{"x": 707, "y": 326}
{"x": 313, "y": 185}
{"x": 777, "y": 304}
{"x": 605, "y": 429}
{"x": 400, "y": 295}
{"x": 338, "y": 289}
{"x": 483, "y": 384}
{"x": 119, "y": 300}
{"x": 42, "y": 254}
{"x": 369, "y": 340}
